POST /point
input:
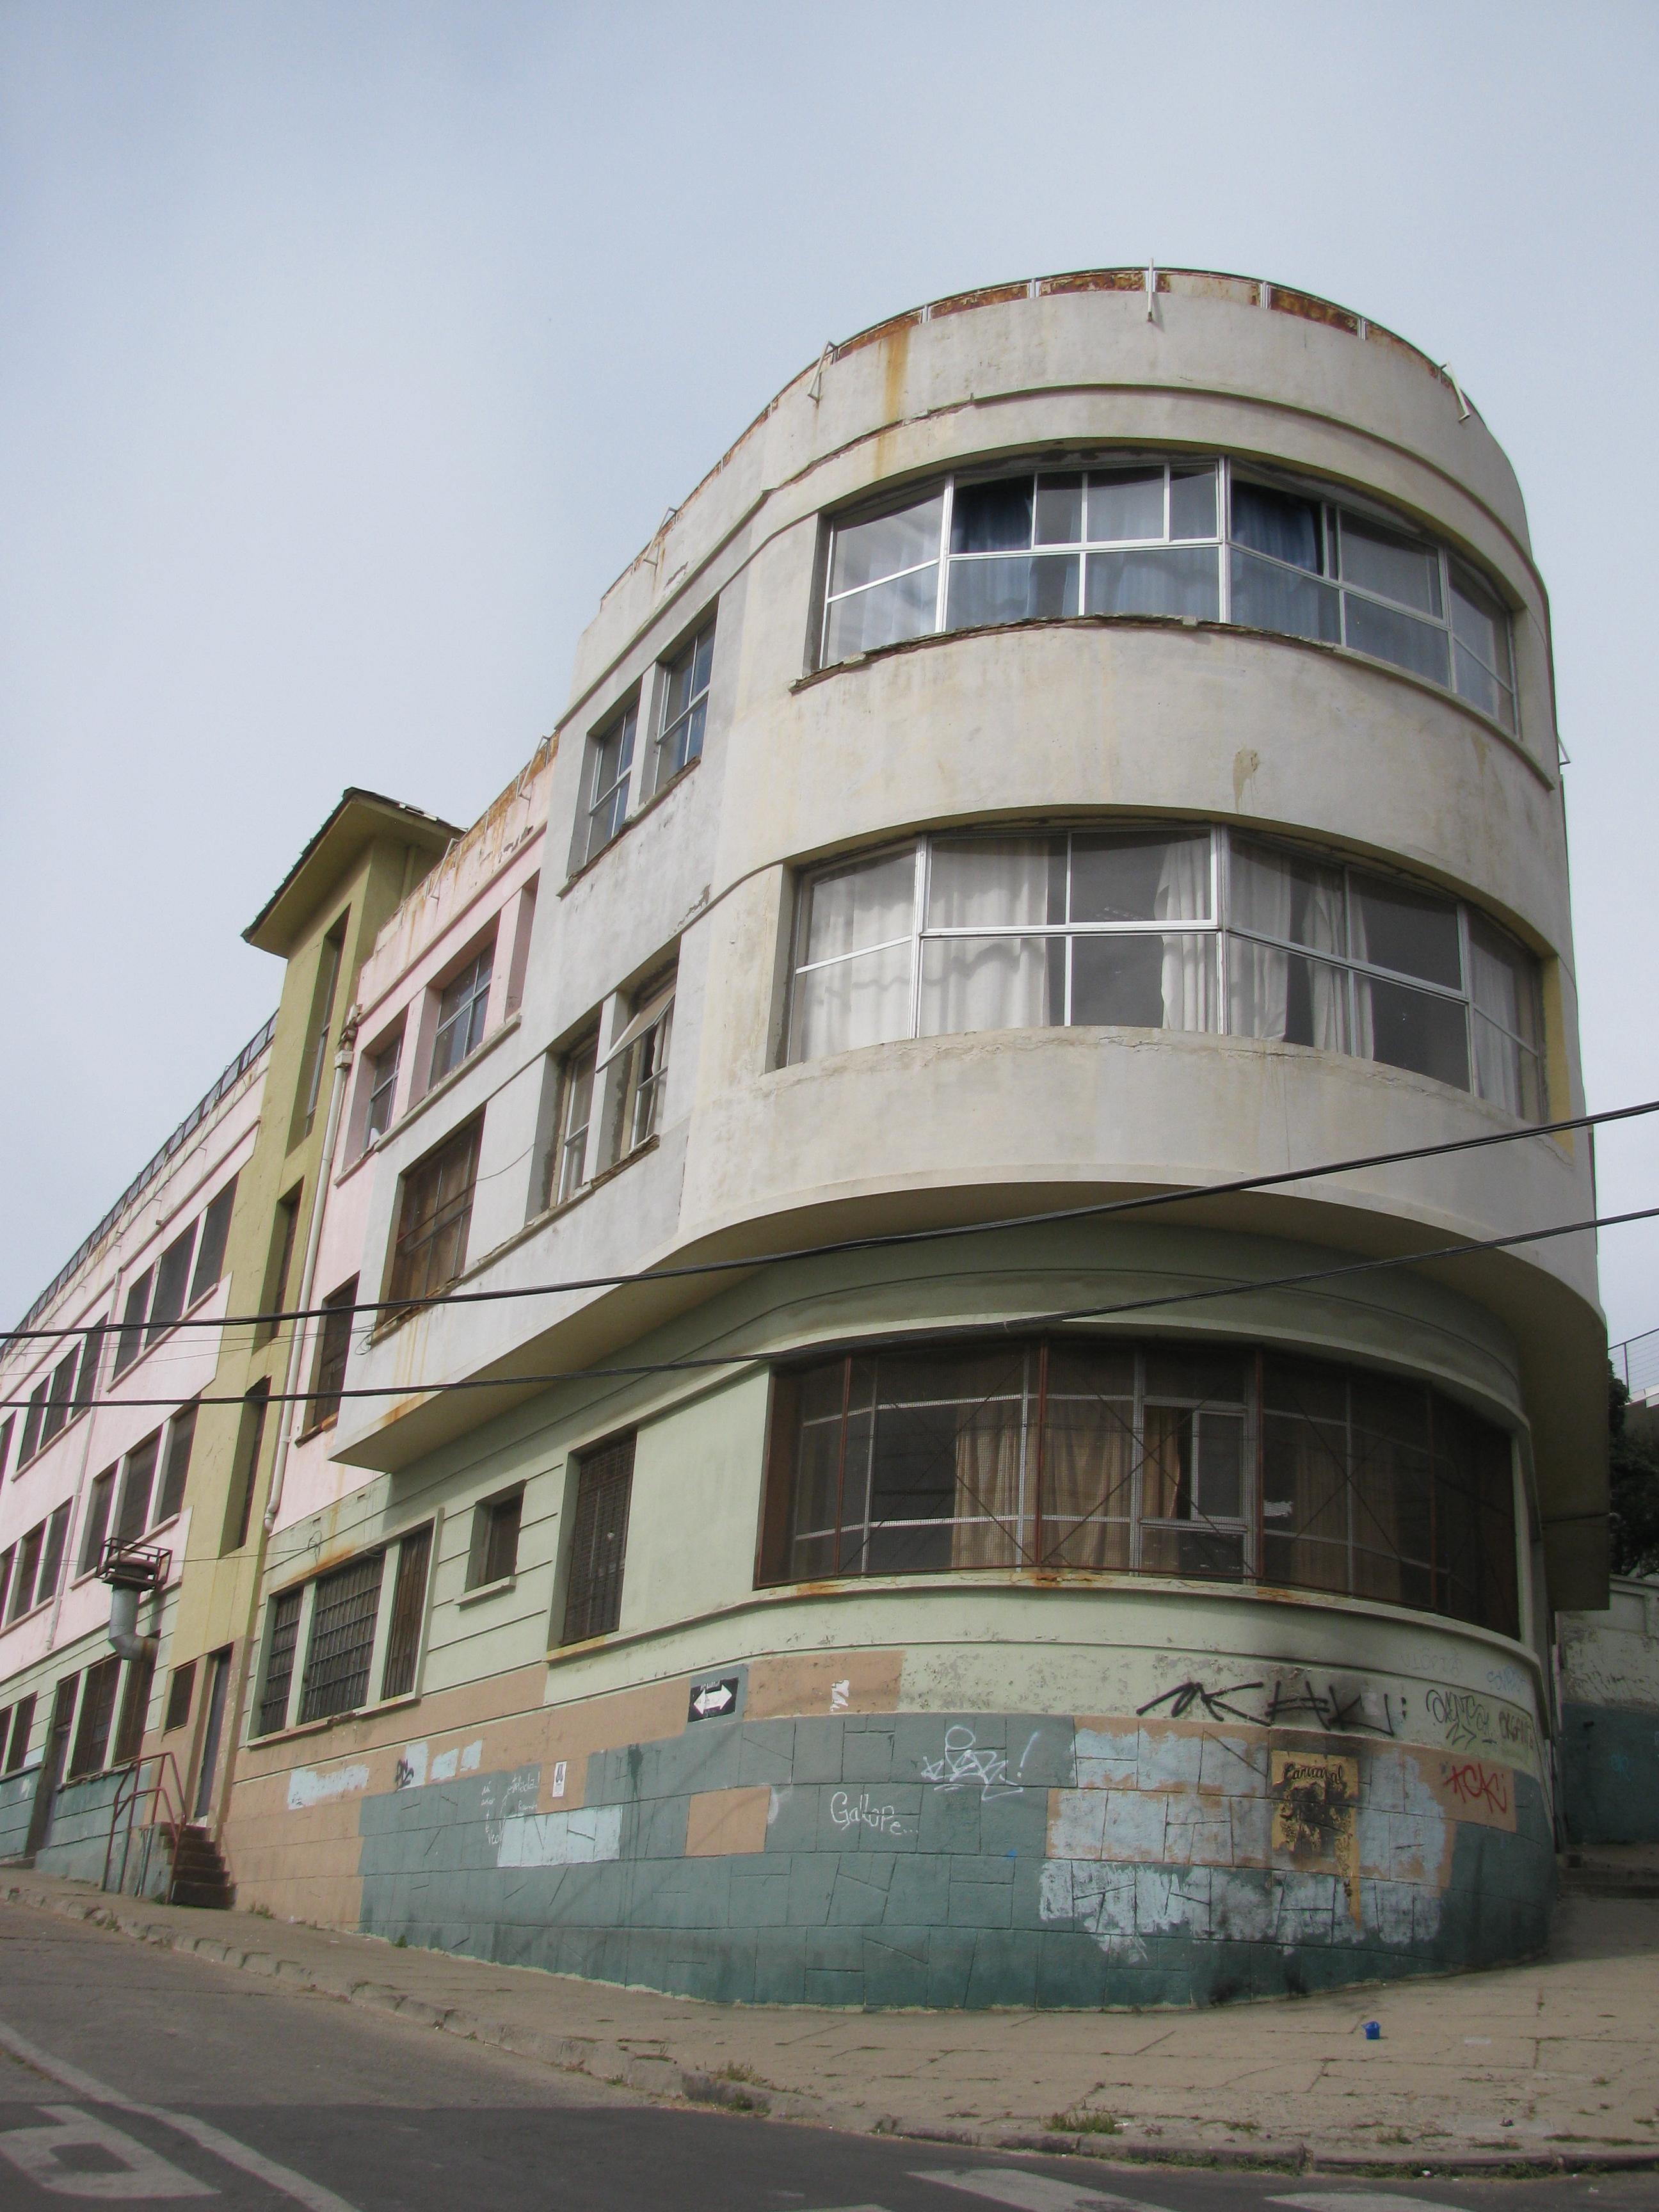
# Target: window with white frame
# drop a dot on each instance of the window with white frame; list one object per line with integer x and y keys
{"x": 462, "y": 1005}
{"x": 635, "y": 1070}
{"x": 682, "y": 707}
{"x": 1203, "y": 540}
{"x": 605, "y": 785}
{"x": 327, "y": 1640}
{"x": 1172, "y": 927}
{"x": 381, "y": 1078}
{"x": 567, "y": 1168}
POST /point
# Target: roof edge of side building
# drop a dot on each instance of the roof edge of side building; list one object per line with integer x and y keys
{"x": 354, "y": 822}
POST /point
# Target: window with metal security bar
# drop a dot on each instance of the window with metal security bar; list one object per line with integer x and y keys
{"x": 134, "y": 1710}
{"x": 180, "y": 1690}
{"x": 598, "y": 1541}
{"x": 342, "y": 1639}
{"x": 494, "y": 1552}
{"x": 22, "y": 1726}
{"x": 408, "y": 1614}
{"x": 435, "y": 1217}
{"x": 279, "y": 1661}
{"x": 333, "y": 1348}
{"x": 97, "y": 1711}
{"x": 1181, "y": 1460}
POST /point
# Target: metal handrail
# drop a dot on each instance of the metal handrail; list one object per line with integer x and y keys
{"x": 166, "y": 1801}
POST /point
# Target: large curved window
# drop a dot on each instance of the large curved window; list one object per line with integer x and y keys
{"x": 1171, "y": 927}
{"x": 1203, "y": 541}
{"x": 1162, "y": 1459}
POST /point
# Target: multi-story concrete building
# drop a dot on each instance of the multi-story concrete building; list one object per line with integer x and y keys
{"x": 1089, "y": 745}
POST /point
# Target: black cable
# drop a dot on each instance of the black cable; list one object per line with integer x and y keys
{"x": 1099, "y": 1210}
{"x": 1021, "y": 1326}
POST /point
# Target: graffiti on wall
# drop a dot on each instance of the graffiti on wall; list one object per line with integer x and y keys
{"x": 962, "y": 1764}
{"x": 1293, "y": 1700}
{"x": 1316, "y": 1804}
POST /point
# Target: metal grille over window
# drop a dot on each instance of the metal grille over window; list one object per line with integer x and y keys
{"x": 598, "y": 1541}
{"x": 1153, "y": 1459}
{"x": 437, "y": 1212}
{"x": 1167, "y": 928}
{"x": 685, "y": 705}
{"x": 279, "y": 1663}
{"x": 134, "y": 1710}
{"x": 97, "y": 1711}
{"x": 1188, "y": 540}
{"x": 495, "y": 1551}
{"x": 342, "y": 1639}
{"x": 180, "y": 1690}
{"x": 407, "y": 1613}
{"x": 462, "y": 1006}
{"x": 333, "y": 1348}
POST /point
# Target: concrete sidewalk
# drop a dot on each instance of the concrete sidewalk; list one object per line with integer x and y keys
{"x": 1538, "y": 2066}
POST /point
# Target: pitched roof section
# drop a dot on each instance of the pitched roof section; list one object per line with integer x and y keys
{"x": 360, "y": 817}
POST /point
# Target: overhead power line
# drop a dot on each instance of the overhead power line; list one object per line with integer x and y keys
{"x": 1020, "y": 1325}
{"x": 1097, "y": 1210}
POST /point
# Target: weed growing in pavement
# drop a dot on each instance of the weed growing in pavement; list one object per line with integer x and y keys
{"x": 1085, "y": 2124}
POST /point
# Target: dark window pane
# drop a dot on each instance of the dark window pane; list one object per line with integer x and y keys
{"x": 1146, "y": 981}
{"x": 1391, "y": 563}
{"x": 1409, "y": 1028}
{"x": 86, "y": 1381}
{"x": 333, "y": 1347}
{"x": 180, "y": 1691}
{"x": 172, "y": 1280}
{"x": 133, "y": 1517}
{"x": 342, "y": 1638}
{"x": 1387, "y": 634}
{"x": 1267, "y": 596}
{"x": 408, "y": 1614}
{"x": 98, "y": 1512}
{"x": 210, "y": 1250}
{"x": 1135, "y": 876}
{"x": 991, "y": 518}
{"x": 1411, "y": 931}
{"x": 51, "y": 1554}
{"x": 279, "y": 1663}
{"x": 1197, "y": 1373}
{"x": 22, "y": 1725}
{"x": 495, "y": 1549}
{"x": 97, "y": 1711}
{"x": 175, "y": 1471}
{"x": 435, "y": 1215}
{"x": 1210, "y": 1553}
{"x": 1192, "y": 501}
{"x": 1059, "y": 510}
{"x": 1028, "y": 587}
{"x": 1279, "y": 523}
{"x": 134, "y": 1710}
{"x": 598, "y": 1541}
{"x": 131, "y": 1342}
{"x": 1125, "y": 504}
{"x": 60, "y": 1392}
{"x": 1181, "y": 582}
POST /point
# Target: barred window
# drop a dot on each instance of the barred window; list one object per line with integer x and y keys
{"x": 333, "y": 1349}
{"x": 134, "y": 1710}
{"x": 435, "y": 1217}
{"x": 180, "y": 1690}
{"x": 342, "y": 1638}
{"x": 407, "y": 1613}
{"x": 599, "y": 1540}
{"x": 494, "y": 1553}
{"x": 282, "y": 1634}
{"x": 1179, "y": 1460}
{"x": 97, "y": 1711}
{"x": 175, "y": 1467}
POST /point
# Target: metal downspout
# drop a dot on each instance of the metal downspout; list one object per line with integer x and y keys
{"x": 342, "y": 1058}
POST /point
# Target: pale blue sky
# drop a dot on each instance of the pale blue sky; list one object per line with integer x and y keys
{"x": 347, "y": 351}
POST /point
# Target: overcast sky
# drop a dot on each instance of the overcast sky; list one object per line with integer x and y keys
{"x": 349, "y": 350}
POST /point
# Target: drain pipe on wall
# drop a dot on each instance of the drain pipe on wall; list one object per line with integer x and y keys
{"x": 342, "y": 1059}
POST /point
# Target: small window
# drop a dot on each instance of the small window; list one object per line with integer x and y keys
{"x": 8, "y": 1561}
{"x": 86, "y": 1382}
{"x": 22, "y": 1725}
{"x": 134, "y": 1710}
{"x": 495, "y": 1551}
{"x": 5, "y": 1443}
{"x": 567, "y": 1167}
{"x": 636, "y": 1073}
{"x": 210, "y": 1250}
{"x": 53, "y": 1546}
{"x": 403, "y": 1646}
{"x": 131, "y": 1341}
{"x": 278, "y": 1262}
{"x": 137, "y": 1481}
{"x": 244, "y": 1468}
{"x": 180, "y": 1690}
{"x": 59, "y": 1393}
{"x": 317, "y": 1030}
{"x": 279, "y": 1661}
{"x": 599, "y": 1540}
{"x": 98, "y": 1504}
{"x": 605, "y": 791}
{"x": 684, "y": 707}
{"x": 175, "y": 1466}
{"x": 97, "y": 1711}
{"x": 28, "y": 1564}
{"x": 333, "y": 1345}
{"x": 172, "y": 1282}
{"x": 435, "y": 1217}
{"x": 342, "y": 1638}
{"x": 462, "y": 1005}
{"x": 382, "y": 1080}
{"x": 33, "y": 1421}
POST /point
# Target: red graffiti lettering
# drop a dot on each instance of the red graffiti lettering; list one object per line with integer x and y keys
{"x": 1473, "y": 1784}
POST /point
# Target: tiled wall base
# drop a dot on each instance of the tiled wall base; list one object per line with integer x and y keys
{"x": 1610, "y": 1774}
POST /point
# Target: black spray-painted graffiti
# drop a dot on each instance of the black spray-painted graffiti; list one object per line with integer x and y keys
{"x": 1296, "y": 1698}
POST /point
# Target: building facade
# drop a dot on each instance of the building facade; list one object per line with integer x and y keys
{"x": 862, "y": 1467}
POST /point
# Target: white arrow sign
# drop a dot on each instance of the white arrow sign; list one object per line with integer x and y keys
{"x": 714, "y": 1698}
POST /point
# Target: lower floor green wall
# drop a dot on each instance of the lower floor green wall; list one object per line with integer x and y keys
{"x": 1610, "y": 1774}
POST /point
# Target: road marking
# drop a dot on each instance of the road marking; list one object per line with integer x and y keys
{"x": 1034, "y": 2192}
{"x": 1361, "y": 2200}
{"x": 311, "y": 2194}
{"x": 141, "y": 2171}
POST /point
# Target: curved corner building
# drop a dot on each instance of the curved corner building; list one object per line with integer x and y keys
{"x": 1126, "y": 764}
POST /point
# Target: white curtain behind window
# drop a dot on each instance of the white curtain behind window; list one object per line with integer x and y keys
{"x": 990, "y": 982}
{"x": 1183, "y": 892}
{"x": 855, "y": 985}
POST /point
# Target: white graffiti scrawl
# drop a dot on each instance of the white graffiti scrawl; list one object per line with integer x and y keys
{"x": 963, "y": 1766}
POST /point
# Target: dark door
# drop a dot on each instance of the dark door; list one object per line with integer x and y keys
{"x": 218, "y": 1688}
{"x": 52, "y": 1763}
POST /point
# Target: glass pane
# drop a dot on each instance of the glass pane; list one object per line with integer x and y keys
{"x": 1304, "y": 1475}
{"x": 1135, "y": 876}
{"x": 1196, "y": 1552}
{"x": 1285, "y": 997}
{"x": 1182, "y": 581}
{"x": 1269, "y": 596}
{"x": 1506, "y": 1073}
{"x": 1411, "y": 931}
{"x": 1145, "y": 981}
{"x": 992, "y": 983}
{"x": 1125, "y": 503}
{"x": 862, "y": 906}
{"x": 1401, "y": 639}
{"x": 865, "y": 552}
{"x": 1393, "y": 1514}
{"x": 885, "y": 614}
{"x": 862, "y": 1001}
{"x": 1481, "y": 689}
{"x": 1387, "y": 561}
{"x": 1200, "y": 1373}
{"x": 1059, "y": 510}
{"x": 1503, "y": 980}
{"x": 1192, "y": 501}
{"x": 1277, "y": 523}
{"x": 1480, "y": 623}
{"x": 986, "y": 882}
{"x": 991, "y": 518}
{"x": 1039, "y": 587}
{"x": 1219, "y": 1485}
{"x": 1277, "y": 894}
{"x": 1409, "y": 1028}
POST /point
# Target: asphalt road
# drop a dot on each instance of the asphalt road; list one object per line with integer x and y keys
{"x": 128, "y": 2074}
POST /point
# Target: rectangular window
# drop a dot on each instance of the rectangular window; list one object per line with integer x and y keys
{"x": 131, "y": 1341}
{"x": 180, "y": 1690}
{"x": 8, "y": 1561}
{"x": 137, "y": 1481}
{"x": 22, "y": 1580}
{"x": 317, "y": 1030}
{"x": 494, "y": 1553}
{"x": 245, "y": 1469}
{"x": 175, "y": 1465}
{"x": 279, "y": 1261}
{"x": 134, "y": 1710}
{"x": 99, "y": 1502}
{"x": 599, "y": 1540}
{"x": 342, "y": 1638}
{"x": 60, "y": 1391}
{"x": 434, "y": 1218}
{"x": 408, "y": 1614}
{"x": 636, "y": 1069}
{"x": 171, "y": 1283}
{"x": 684, "y": 707}
{"x": 52, "y": 1548}
{"x": 22, "y": 1725}
{"x": 33, "y": 1421}
{"x": 97, "y": 1711}
{"x": 605, "y": 788}
{"x": 5, "y": 1444}
{"x": 462, "y": 1005}
{"x": 382, "y": 1080}
{"x": 210, "y": 1248}
{"x": 567, "y": 1168}
{"x": 86, "y": 1381}
{"x": 279, "y": 1661}
{"x": 333, "y": 1346}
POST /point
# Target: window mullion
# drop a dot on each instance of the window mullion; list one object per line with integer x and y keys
{"x": 946, "y": 508}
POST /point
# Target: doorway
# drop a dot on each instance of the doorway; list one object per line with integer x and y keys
{"x": 52, "y": 1764}
{"x": 213, "y": 1729}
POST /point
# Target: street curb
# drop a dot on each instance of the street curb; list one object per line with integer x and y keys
{"x": 665, "y": 2080}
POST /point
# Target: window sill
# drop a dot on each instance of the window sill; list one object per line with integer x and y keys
{"x": 189, "y": 1313}
{"x": 440, "y": 1089}
{"x": 317, "y": 1428}
{"x": 611, "y": 844}
{"x": 499, "y": 1587}
{"x": 332, "y": 1721}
